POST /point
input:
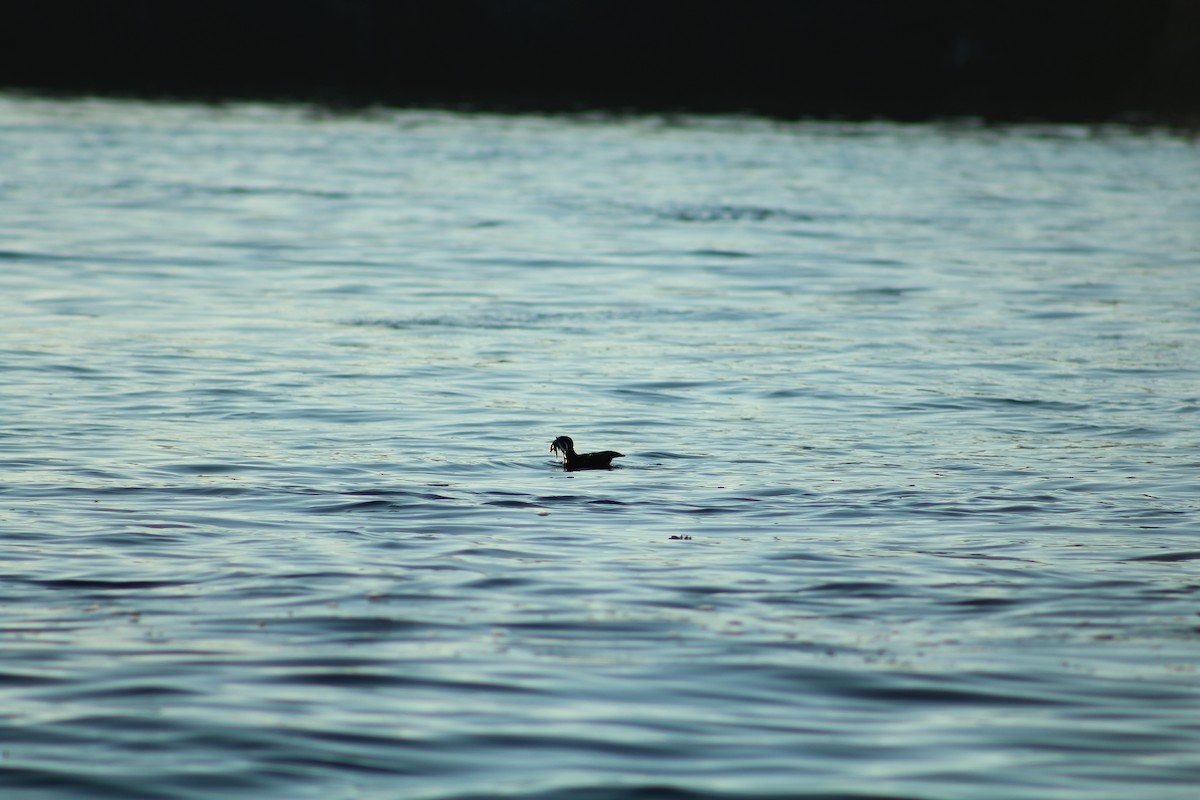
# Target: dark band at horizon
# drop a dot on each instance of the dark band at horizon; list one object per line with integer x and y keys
{"x": 1114, "y": 60}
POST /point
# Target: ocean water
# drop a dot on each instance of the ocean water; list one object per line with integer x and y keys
{"x": 908, "y": 507}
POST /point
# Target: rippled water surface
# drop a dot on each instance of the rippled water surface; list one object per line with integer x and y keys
{"x": 909, "y": 505}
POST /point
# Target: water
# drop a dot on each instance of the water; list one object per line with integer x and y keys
{"x": 279, "y": 518}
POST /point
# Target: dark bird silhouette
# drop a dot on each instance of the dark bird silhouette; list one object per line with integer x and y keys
{"x": 573, "y": 460}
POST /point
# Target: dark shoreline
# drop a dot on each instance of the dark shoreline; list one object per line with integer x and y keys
{"x": 1127, "y": 61}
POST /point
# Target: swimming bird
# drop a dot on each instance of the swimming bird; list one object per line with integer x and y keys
{"x": 573, "y": 460}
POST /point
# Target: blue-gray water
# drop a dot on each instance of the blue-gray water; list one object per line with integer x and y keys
{"x": 279, "y": 518}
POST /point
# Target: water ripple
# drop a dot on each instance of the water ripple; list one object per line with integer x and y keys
{"x": 907, "y": 509}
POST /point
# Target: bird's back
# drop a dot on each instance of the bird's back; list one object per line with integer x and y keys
{"x": 593, "y": 460}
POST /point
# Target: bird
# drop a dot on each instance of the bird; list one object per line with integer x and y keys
{"x": 572, "y": 460}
